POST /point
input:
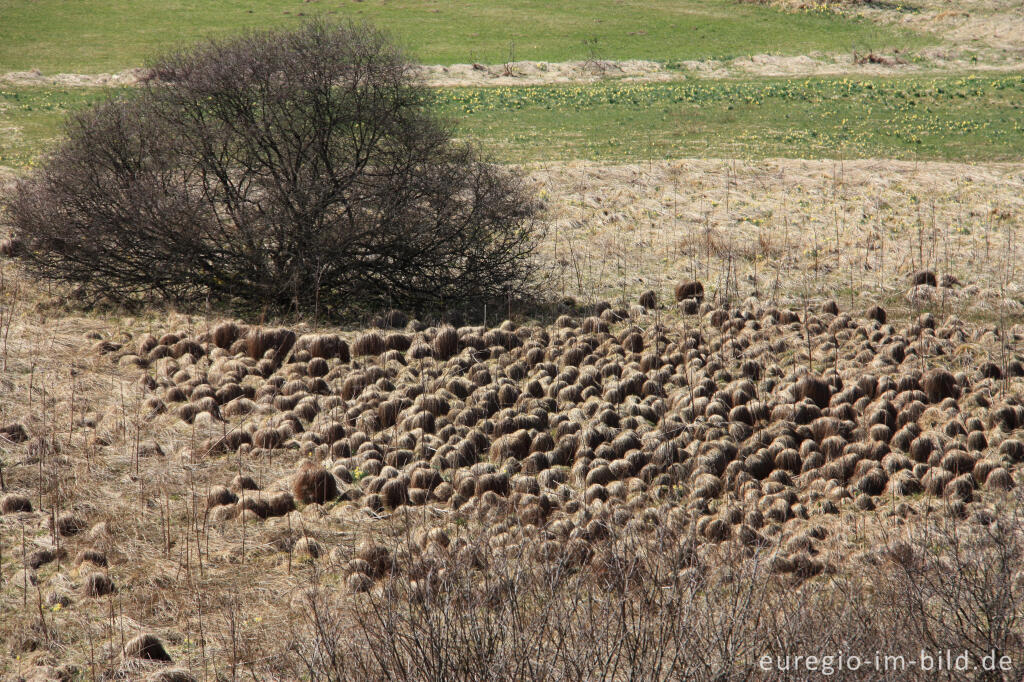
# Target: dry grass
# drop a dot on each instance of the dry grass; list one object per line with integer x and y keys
{"x": 788, "y": 229}
{"x": 997, "y": 24}
{"x": 452, "y": 586}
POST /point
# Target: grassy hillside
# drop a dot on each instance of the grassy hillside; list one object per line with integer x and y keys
{"x": 108, "y": 35}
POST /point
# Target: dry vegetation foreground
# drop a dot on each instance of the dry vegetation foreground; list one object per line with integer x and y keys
{"x": 652, "y": 488}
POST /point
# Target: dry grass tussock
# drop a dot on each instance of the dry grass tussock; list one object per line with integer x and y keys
{"x": 788, "y": 229}
{"x": 628, "y": 492}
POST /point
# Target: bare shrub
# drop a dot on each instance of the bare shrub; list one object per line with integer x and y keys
{"x": 657, "y": 606}
{"x": 960, "y": 585}
{"x": 294, "y": 169}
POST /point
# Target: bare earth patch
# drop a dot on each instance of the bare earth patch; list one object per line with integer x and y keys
{"x": 932, "y": 60}
{"x": 997, "y": 24}
{"x": 127, "y": 77}
{"x": 935, "y": 60}
{"x": 542, "y": 73}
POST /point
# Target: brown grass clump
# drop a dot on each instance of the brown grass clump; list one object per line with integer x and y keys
{"x": 147, "y": 647}
{"x": 877, "y": 313}
{"x": 392, "y": 319}
{"x": 9, "y": 247}
{"x": 325, "y": 346}
{"x": 961, "y": 488}
{"x": 397, "y": 341}
{"x": 225, "y": 334}
{"x": 938, "y": 384}
{"x": 368, "y": 343}
{"x": 394, "y": 493}
{"x": 248, "y": 507}
{"x": 491, "y": 483}
{"x": 13, "y": 503}
{"x": 97, "y": 584}
{"x": 595, "y": 492}
{"x": 377, "y": 558}
{"x": 92, "y": 556}
{"x": 515, "y": 445}
{"x": 1006, "y": 418}
{"x": 815, "y": 389}
{"x": 958, "y": 462}
{"x": 935, "y": 481}
{"x": 280, "y": 504}
{"x": 267, "y": 438}
{"x": 873, "y": 482}
{"x": 445, "y": 343}
{"x": 387, "y": 413}
{"x": 69, "y": 524}
{"x": 145, "y": 343}
{"x": 243, "y": 482}
{"x": 317, "y": 367}
{"x": 428, "y": 479}
{"x": 594, "y": 325}
{"x": 717, "y": 530}
{"x": 690, "y": 290}
{"x": 359, "y": 583}
{"x": 219, "y": 495}
{"x": 904, "y": 483}
{"x": 224, "y": 514}
{"x": 990, "y": 370}
{"x": 924, "y": 277}
{"x": 313, "y": 483}
{"x": 259, "y": 341}
{"x": 14, "y": 432}
{"x": 633, "y": 342}
{"x": 1012, "y": 449}
{"x": 999, "y": 479}
{"x": 308, "y": 547}
{"x": 419, "y": 350}
{"x": 41, "y": 557}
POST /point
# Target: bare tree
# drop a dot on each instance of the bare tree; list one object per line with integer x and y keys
{"x": 287, "y": 169}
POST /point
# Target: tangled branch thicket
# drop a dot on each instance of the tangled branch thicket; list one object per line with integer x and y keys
{"x": 297, "y": 170}
{"x": 660, "y": 606}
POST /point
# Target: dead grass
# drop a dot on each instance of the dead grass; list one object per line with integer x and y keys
{"x": 976, "y": 24}
{"x": 232, "y": 597}
{"x": 787, "y": 229}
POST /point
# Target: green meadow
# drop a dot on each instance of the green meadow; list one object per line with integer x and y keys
{"x": 971, "y": 118}
{"x": 75, "y": 36}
